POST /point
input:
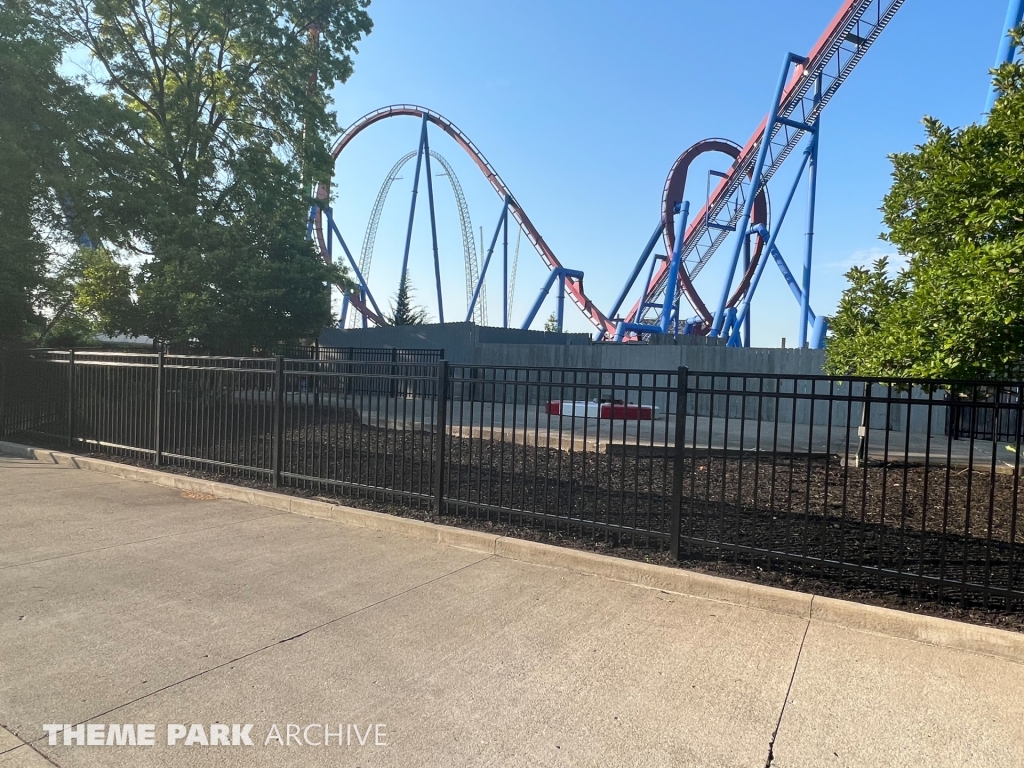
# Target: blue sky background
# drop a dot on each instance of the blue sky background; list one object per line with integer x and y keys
{"x": 582, "y": 107}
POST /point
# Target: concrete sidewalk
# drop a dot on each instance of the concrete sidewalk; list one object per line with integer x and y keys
{"x": 127, "y": 603}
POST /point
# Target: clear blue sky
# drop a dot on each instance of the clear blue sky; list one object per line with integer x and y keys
{"x": 582, "y": 107}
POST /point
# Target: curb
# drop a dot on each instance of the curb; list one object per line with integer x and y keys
{"x": 856, "y": 616}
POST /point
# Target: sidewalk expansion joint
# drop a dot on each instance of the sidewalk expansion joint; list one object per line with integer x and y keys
{"x": 789, "y": 689}
{"x": 276, "y": 643}
{"x": 140, "y": 541}
{"x": 25, "y": 744}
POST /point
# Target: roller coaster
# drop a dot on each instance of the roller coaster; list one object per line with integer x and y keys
{"x": 736, "y": 209}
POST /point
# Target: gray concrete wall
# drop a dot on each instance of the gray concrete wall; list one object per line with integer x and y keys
{"x": 460, "y": 341}
{"x": 696, "y": 357}
{"x": 468, "y": 344}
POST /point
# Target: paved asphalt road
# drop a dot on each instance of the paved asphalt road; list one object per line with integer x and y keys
{"x": 124, "y": 603}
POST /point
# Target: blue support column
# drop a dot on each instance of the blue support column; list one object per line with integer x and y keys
{"x": 433, "y": 223}
{"x": 673, "y": 268}
{"x": 344, "y": 310}
{"x": 820, "y": 329}
{"x": 310, "y": 222}
{"x": 560, "y": 274}
{"x": 504, "y": 278}
{"x": 412, "y": 206}
{"x": 746, "y": 266}
{"x": 503, "y": 219}
{"x": 671, "y": 286}
{"x": 532, "y": 314}
{"x": 755, "y": 187}
{"x": 560, "y": 308}
{"x": 794, "y": 287}
{"x": 812, "y": 192}
{"x": 631, "y": 280}
{"x": 743, "y": 310}
{"x": 1007, "y": 50}
{"x": 330, "y": 245}
{"x": 352, "y": 262}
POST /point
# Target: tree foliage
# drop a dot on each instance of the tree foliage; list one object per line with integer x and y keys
{"x": 51, "y": 168}
{"x": 956, "y": 212}
{"x": 403, "y": 311}
{"x": 232, "y": 122}
{"x": 551, "y": 324}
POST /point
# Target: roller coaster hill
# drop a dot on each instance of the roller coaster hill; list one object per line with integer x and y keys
{"x": 735, "y": 221}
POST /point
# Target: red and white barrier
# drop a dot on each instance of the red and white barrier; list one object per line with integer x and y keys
{"x": 590, "y": 409}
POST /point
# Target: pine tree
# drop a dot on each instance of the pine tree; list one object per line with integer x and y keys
{"x": 551, "y": 324}
{"x": 403, "y": 312}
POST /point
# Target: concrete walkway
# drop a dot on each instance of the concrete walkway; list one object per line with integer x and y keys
{"x": 127, "y": 603}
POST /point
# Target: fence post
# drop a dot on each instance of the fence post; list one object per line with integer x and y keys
{"x": 5, "y": 364}
{"x": 315, "y": 378}
{"x": 675, "y": 525}
{"x": 71, "y": 398}
{"x": 393, "y": 373}
{"x": 158, "y": 410}
{"x": 865, "y": 425}
{"x": 277, "y": 451}
{"x": 441, "y": 425}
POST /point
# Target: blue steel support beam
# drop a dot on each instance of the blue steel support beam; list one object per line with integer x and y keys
{"x": 631, "y": 280}
{"x": 743, "y": 310}
{"x": 412, "y": 206}
{"x": 820, "y": 329}
{"x": 352, "y": 262}
{"x": 794, "y": 286}
{"x": 560, "y": 274}
{"x": 560, "y": 306}
{"x": 670, "y": 288}
{"x": 310, "y": 222}
{"x": 812, "y": 193}
{"x": 673, "y": 269}
{"x": 487, "y": 261}
{"x": 755, "y": 187}
{"x": 1007, "y": 50}
{"x": 532, "y": 314}
{"x": 746, "y": 266}
{"x": 504, "y": 277}
{"x": 786, "y": 274}
{"x": 433, "y": 222}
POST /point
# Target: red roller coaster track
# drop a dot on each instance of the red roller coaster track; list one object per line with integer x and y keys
{"x": 574, "y": 287}
{"x": 853, "y": 30}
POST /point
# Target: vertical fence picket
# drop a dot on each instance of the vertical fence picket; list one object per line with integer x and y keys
{"x": 677, "y": 464}
{"x": 71, "y": 399}
{"x": 441, "y": 427}
{"x": 158, "y": 410}
{"x": 277, "y": 434}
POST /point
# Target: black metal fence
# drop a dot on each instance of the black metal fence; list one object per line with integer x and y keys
{"x": 319, "y": 352}
{"x": 878, "y": 485}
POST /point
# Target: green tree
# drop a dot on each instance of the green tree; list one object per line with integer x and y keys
{"x": 231, "y": 123}
{"x": 551, "y": 324}
{"x": 956, "y": 212}
{"x": 403, "y": 311}
{"x": 51, "y": 169}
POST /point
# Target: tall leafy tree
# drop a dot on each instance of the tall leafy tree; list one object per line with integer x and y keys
{"x": 52, "y": 168}
{"x": 956, "y": 212}
{"x": 232, "y": 121}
